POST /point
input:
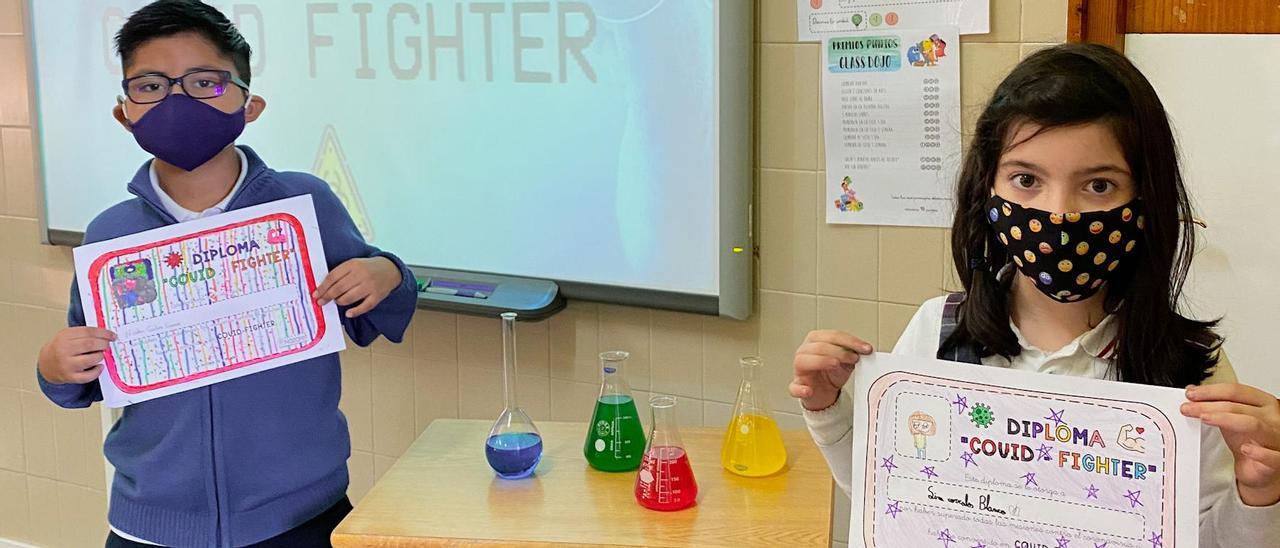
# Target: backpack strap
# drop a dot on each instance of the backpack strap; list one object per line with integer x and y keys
{"x": 964, "y": 353}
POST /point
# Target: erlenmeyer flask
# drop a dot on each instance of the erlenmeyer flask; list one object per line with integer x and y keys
{"x": 615, "y": 437}
{"x": 752, "y": 444}
{"x": 514, "y": 446}
{"x": 665, "y": 481}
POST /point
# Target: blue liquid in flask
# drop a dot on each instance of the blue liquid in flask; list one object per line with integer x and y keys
{"x": 514, "y": 455}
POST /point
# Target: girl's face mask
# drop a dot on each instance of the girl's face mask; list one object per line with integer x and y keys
{"x": 1070, "y": 256}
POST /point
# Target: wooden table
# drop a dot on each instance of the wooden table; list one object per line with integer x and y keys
{"x": 443, "y": 493}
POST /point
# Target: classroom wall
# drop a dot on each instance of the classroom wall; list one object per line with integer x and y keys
{"x": 867, "y": 280}
{"x": 1233, "y": 276}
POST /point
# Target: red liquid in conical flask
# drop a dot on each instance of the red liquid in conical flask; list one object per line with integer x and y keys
{"x": 665, "y": 481}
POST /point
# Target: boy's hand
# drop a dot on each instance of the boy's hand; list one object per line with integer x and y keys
{"x": 1249, "y": 420}
{"x": 823, "y": 364}
{"x": 364, "y": 281}
{"x": 74, "y": 356}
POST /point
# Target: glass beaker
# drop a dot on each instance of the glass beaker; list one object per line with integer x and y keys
{"x": 615, "y": 437}
{"x": 514, "y": 447}
{"x": 752, "y": 444}
{"x": 665, "y": 481}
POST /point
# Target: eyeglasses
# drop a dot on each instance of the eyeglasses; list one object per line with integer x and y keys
{"x": 199, "y": 84}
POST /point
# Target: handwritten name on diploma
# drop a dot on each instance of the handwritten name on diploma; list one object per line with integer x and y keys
{"x": 984, "y": 502}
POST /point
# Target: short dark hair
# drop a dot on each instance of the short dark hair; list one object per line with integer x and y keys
{"x": 1070, "y": 85}
{"x": 164, "y": 18}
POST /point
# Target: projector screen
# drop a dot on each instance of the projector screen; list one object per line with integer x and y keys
{"x": 602, "y": 144}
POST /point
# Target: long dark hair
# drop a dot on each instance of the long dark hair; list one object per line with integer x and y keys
{"x": 1063, "y": 86}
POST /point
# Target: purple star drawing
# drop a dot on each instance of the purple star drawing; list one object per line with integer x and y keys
{"x": 1030, "y": 478}
{"x": 1091, "y": 492}
{"x": 946, "y": 538}
{"x": 1157, "y": 539}
{"x": 893, "y": 510}
{"x": 1099, "y": 545}
{"x": 1062, "y": 541}
{"x": 979, "y": 545}
{"x": 1133, "y": 498}
{"x": 961, "y": 404}
{"x": 928, "y": 471}
{"x": 1055, "y": 416}
{"x": 1046, "y": 452}
{"x": 967, "y": 457}
{"x": 888, "y": 464}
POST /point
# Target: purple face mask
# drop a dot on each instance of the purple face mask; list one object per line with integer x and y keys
{"x": 187, "y": 132}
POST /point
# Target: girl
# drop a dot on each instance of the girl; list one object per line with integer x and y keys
{"x": 1072, "y": 235}
{"x": 921, "y": 427}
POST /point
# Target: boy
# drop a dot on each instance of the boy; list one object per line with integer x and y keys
{"x": 257, "y": 460}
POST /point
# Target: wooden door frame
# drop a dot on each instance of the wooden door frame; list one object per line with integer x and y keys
{"x": 1107, "y": 21}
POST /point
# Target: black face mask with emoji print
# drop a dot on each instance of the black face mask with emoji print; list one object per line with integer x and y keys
{"x": 1070, "y": 256}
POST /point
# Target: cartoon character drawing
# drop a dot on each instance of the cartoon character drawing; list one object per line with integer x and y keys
{"x": 927, "y": 52}
{"x": 922, "y": 426}
{"x": 1129, "y": 438}
{"x": 848, "y": 200}
{"x": 939, "y": 46}
{"x": 133, "y": 284}
{"x": 276, "y": 236}
{"x": 914, "y": 56}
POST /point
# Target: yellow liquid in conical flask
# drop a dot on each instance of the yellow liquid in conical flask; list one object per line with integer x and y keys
{"x": 753, "y": 446}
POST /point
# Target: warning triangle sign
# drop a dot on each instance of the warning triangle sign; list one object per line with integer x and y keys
{"x": 331, "y": 165}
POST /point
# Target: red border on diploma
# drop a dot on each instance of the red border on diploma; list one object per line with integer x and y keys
{"x": 95, "y": 271}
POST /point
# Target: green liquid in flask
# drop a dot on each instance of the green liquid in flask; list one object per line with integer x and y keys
{"x": 615, "y": 442}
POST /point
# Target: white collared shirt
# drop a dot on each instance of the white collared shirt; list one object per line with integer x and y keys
{"x": 183, "y": 214}
{"x": 1087, "y": 356}
{"x": 1225, "y": 521}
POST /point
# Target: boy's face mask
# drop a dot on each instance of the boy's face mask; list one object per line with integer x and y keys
{"x": 187, "y": 132}
{"x": 1070, "y": 256}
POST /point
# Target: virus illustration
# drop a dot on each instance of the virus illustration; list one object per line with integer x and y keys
{"x": 173, "y": 260}
{"x": 981, "y": 415}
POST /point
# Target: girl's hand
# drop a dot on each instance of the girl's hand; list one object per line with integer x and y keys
{"x": 364, "y": 281}
{"x": 823, "y": 364}
{"x": 1249, "y": 419}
